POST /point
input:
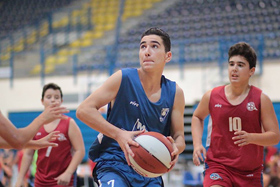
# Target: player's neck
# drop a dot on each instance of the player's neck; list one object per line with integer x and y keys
{"x": 235, "y": 90}
{"x": 151, "y": 84}
{"x": 51, "y": 126}
{"x": 236, "y": 95}
{"x": 149, "y": 81}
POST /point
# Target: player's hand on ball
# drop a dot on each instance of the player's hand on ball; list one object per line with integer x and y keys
{"x": 175, "y": 153}
{"x": 125, "y": 139}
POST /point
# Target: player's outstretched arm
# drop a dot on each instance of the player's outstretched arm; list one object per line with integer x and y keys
{"x": 34, "y": 144}
{"x": 44, "y": 142}
{"x": 17, "y": 138}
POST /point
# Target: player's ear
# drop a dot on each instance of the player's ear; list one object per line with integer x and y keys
{"x": 252, "y": 71}
{"x": 168, "y": 56}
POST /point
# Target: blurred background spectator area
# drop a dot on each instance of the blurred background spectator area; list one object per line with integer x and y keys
{"x": 65, "y": 37}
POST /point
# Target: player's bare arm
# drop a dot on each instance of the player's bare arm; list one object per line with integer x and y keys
{"x": 198, "y": 117}
{"x": 270, "y": 136}
{"x": 35, "y": 144}
{"x": 177, "y": 124}
{"x": 89, "y": 114}
{"x": 17, "y": 138}
{"x": 77, "y": 143}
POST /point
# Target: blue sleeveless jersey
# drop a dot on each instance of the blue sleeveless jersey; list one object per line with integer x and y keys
{"x": 133, "y": 111}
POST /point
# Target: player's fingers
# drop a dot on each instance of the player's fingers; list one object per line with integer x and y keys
{"x": 136, "y": 133}
{"x": 173, "y": 162}
{"x": 237, "y": 137}
{"x": 199, "y": 155}
{"x": 170, "y": 139}
{"x": 53, "y": 144}
{"x": 128, "y": 150}
{"x": 196, "y": 159}
{"x": 127, "y": 158}
{"x": 204, "y": 153}
{"x": 243, "y": 143}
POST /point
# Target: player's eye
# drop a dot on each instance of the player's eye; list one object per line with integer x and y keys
{"x": 155, "y": 46}
{"x": 142, "y": 46}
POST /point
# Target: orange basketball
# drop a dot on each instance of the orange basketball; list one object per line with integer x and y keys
{"x": 153, "y": 156}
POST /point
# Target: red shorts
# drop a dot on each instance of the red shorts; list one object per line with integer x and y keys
{"x": 218, "y": 174}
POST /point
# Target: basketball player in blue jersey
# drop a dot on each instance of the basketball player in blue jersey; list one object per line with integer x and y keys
{"x": 243, "y": 121}
{"x": 139, "y": 100}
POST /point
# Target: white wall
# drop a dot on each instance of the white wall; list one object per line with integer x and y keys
{"x": 194, "y": 80}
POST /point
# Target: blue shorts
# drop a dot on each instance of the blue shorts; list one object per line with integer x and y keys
{"x": 217, "y": 174}
{"x": 115, "y": 174}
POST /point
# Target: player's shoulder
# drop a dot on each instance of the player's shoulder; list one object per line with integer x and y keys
{"x": 265, "y": 98}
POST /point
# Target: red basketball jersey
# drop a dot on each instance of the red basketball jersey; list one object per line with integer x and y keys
{"x": 53, "y": 161}
{"x": 226, "y": 119}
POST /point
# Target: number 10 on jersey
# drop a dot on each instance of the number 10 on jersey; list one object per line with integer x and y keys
{"x": 235, "y": 124}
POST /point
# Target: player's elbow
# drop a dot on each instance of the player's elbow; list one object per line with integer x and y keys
{"x": 80, "y": 112}
{"x": 277, "y": 139}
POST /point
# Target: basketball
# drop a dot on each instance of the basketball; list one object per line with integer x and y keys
{"x": 153, "y": 155}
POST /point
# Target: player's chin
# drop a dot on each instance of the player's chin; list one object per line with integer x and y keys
{"x": 148, "y": 68}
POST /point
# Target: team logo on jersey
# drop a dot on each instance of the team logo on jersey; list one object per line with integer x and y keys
{"x": 61, "y": 137}
{"x": 138, "y": 126}
{"x": 215, "y": 176}
{"x": 251, "y": 106}
{"x": 163, "y": 114}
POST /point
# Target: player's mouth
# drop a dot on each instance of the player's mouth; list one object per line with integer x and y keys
{"x": 234, "y": 76}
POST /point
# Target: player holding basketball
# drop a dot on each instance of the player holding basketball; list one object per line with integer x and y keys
{"x": 11, "y": 137}
{"x": 243, "y": 121}
{"x": 55, "y": 165}
{"x": 139, "y": 99}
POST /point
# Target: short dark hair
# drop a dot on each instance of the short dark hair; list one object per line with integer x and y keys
{"x": 164, "y": 36}
{"x": 245, "y": 50}
{"x": 51, "y": 86}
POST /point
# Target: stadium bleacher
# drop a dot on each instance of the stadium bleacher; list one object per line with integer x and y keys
{"x": 197, "y": 29}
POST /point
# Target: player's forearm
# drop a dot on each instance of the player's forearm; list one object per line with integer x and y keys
{"x": 180, "y": 143}
{"x": 29, "y": 131}
{"x": 264, "y": 139}
{"x": 25, "y": 164}
{"x": 76, "y": 160}
{"x": 197, "y": 131}
{"x": 32, "y": 144}
{"x": 12, "y": 137}
{"x": 96, "y": 121}
{"x": 4, "y": 144}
